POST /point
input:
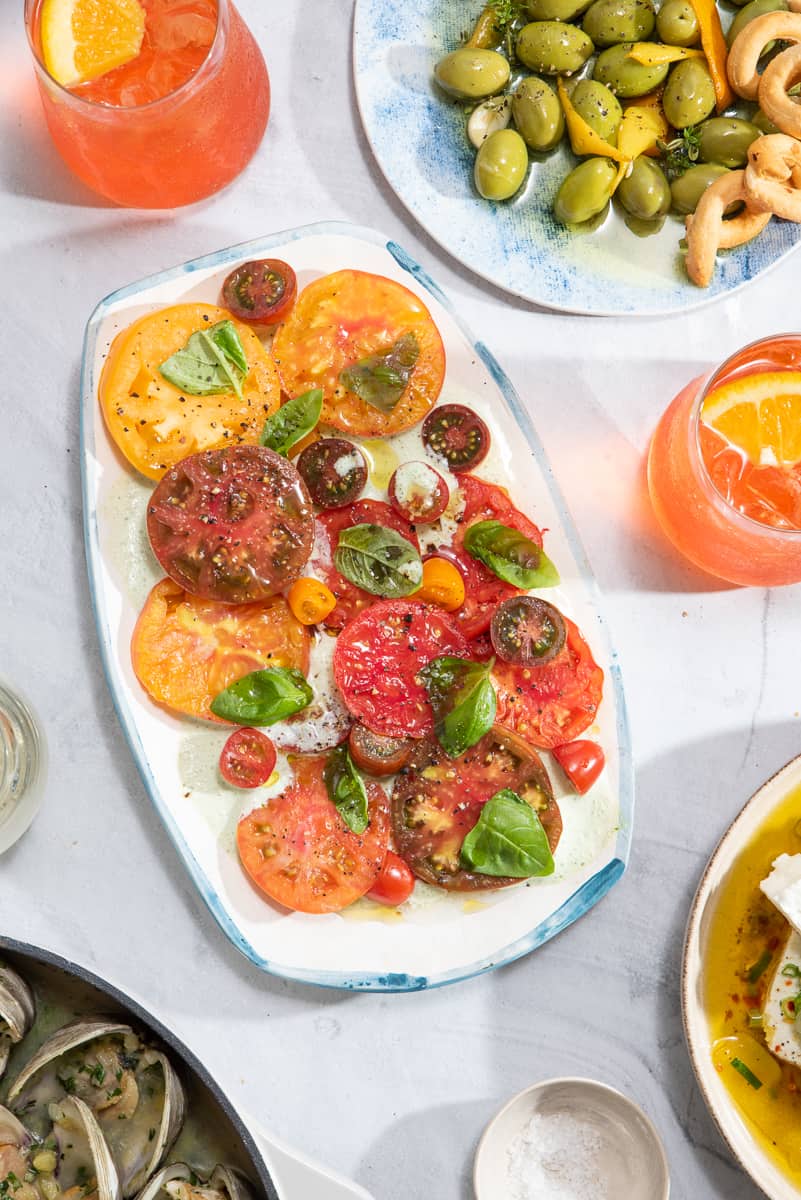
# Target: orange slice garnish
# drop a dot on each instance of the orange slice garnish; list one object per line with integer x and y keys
{"x": 760, "y": 414}
{"x": 83, "y": 39}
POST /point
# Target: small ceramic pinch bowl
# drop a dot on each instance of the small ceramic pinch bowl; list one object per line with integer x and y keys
{"x": 616, "y": 1150}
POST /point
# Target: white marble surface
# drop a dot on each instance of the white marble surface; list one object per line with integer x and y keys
{"x": 392, "y": 1090}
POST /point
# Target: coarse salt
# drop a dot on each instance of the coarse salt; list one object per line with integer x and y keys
{"x": 557, "y": 1157}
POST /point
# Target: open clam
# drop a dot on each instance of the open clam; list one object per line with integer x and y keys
{"x": 129, "y": 1089}
{"x": 74, "y": 1163}
{"x": 178, "y": 1181}
{"x": 17, "y": 1012}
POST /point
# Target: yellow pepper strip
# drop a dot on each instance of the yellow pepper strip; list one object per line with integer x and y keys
{"x": 654, "y": 54}
{"x": 583, "y": 138}
{"x": 715, "y": 49}
{"x": 310, "y": 600}
{"x": 485, "y": 35}
{"x": 641, "y": 128}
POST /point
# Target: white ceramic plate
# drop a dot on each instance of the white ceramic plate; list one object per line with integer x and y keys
{"x": 441, "y": 938}
{"x": 418, "y": 138}
{"x": 743, "y": 1146}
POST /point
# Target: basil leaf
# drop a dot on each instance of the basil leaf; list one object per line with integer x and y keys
{"x": 263, "y": 697}
{"x": 293, "y": 421}
{"x": 463, "y": 699}
{"x": 510, "y": 555}
{"x": 378, "y": 560}
{"x": 508, "y": 840}
{"x": 381, "y": 379}
{"x": 212, "y": 361}
{"x": 346, "y": 789}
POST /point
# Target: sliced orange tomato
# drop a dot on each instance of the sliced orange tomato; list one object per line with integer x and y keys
{"x": 340, "y": 320}
{"x": 185, "y": 651}
{"x": 155, "y": 424}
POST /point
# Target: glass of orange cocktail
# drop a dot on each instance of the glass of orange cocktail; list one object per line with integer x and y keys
{"x": 180, "y": 110}
{"x": 724, "y": 468}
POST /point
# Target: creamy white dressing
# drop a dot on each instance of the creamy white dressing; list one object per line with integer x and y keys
{"x": 326, "y": 721}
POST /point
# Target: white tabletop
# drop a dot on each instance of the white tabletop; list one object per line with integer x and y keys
{"x": 393, "y": 1090}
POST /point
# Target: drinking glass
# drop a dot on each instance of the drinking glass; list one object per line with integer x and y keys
{"x": 22, "y": 767}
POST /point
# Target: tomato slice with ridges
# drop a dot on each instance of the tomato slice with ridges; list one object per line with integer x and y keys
{"x": 377, "y": 663}
{"x": 437, "y": 800}
{"x": 153, "y": 423}
{"x": 233, "y": 525}
{"x": 554, "y": 703}
{"x": 351, "y": 600}
{"x": 260, "y": 292}
{"x": 185, "y": 651}
{"x": 299, "y": 852}
{"x": 340, "y": 320}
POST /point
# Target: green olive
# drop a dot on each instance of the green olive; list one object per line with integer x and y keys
{"x": 553, "y": 48}
{"x": 538, "y": 114}
{"x": 599, "y": 108}
{"x": 690, "y": 94}
{"x": 625, "y": 77}
{"x": 556, "y": 10}
{"x": 725, "y": 140}
{"x": 645, "y": 193}
{"x": 472, "y": 74}
{"x": 585, "y": 192}
{"x": 757, "y": 8}
{"x": 688, "y": 189}
{"x": 609, "y": 22}
{"x": 501, "y": 165}
{"x": 677, "y": 24}
{"x": 763, "y": 123}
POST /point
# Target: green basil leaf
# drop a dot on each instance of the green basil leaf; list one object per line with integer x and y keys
{"x": 510, "y": 555}
{"x": 346, "y": 789}
{"x": 212, "y": 362}
{"x": 508, "y": 840}
{"x": 379, "y": 560}
{"x": 263, "y": 697}
{"x": 381, "y": 379}
{"x": 293, "y": 421}
{"x": 463, "y": 699}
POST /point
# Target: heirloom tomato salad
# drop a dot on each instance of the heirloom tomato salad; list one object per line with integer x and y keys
{"x": 347, "y": 592}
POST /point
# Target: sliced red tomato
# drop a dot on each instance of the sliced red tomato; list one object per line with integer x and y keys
{"x": 351, "y": 600}
{"x": 341, "y": 320}
{"x": 418, "y": 493}
{"x": 395, "y": 882}
{"x": 233, "y": 525}
{"x": 377, "y": 663}
{"x": 554, "y": 703}
{"x": 483, "y": 590}
{"x": 261, "y": 292}
{"x": 582, "y": 762}
{"x": 299, "y": 851}
{"x": 247, "y": 759}
{"x": 375, "y": 754}
{"x": 437, "y": 800}
{"x": 185, "y": 651}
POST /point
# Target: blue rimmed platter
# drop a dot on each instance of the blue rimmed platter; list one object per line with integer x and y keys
{"x": 440, "y": 938}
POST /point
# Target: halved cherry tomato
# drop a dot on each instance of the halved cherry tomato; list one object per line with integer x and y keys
{"x": 310, "y": 600}
{"x": 376, "y": 754}
{"x": 582, "y": 762}
{"x": 261, "y": 292}
{"x": 483, "y": 590}
{"x": 299, "y": 851}
{"x": 443, "y": 584}
{"x": 527, "y": 630}
{"x": 351, "y": 599}
{"x": 395, "y": 882}
{"x": 153, "y": 422}
{"x": 377, "y": 663}
{"x": 437, "y": 800}
{"x": 458, "y": 435}
{"x": 334, "y": 471}
{"x": 554, "y": 703}
{"x": 340, "y": 320}
{"x": 185, "y": 651}
{"x": 418, "y": 493}
{"x": 247, "y": 759}
{"x": 233, "y": 525}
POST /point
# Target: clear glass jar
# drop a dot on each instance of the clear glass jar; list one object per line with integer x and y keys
{"x": 22, "y": 767}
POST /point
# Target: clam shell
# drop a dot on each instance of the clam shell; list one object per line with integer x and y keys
{"x": 172, "y": 1118}
{"x": 17, "y": 1011}
{"x": 225, "y": 1180}
{"x": 108, "y": 1181}
{"x": 63, "y": 1040}
{"x": 12, "y": 1131}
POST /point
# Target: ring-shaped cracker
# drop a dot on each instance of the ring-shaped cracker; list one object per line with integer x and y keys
{"x": 773, "y": 176}
{"x": 707, "y": 232}
{"x": 782, "y": 73}
{"x": 749, "y": 44}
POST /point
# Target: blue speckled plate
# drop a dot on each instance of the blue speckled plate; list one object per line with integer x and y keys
{"x": 419, "y": 140}
{"x": 439, "y": 938}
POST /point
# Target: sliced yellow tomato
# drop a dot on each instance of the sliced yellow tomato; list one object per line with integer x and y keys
{"x": 83, "y": 39}
{"x": 185, "y": 651}
{"x": 760, "y": 414}
{"x": 153, "y": 422}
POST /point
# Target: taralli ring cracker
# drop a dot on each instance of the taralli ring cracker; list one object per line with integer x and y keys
{"x": 707, "y": 232}
{"x": 773, "y": 176}
{"x": 778, "y": 77}
{"x": 750, "y": 43}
